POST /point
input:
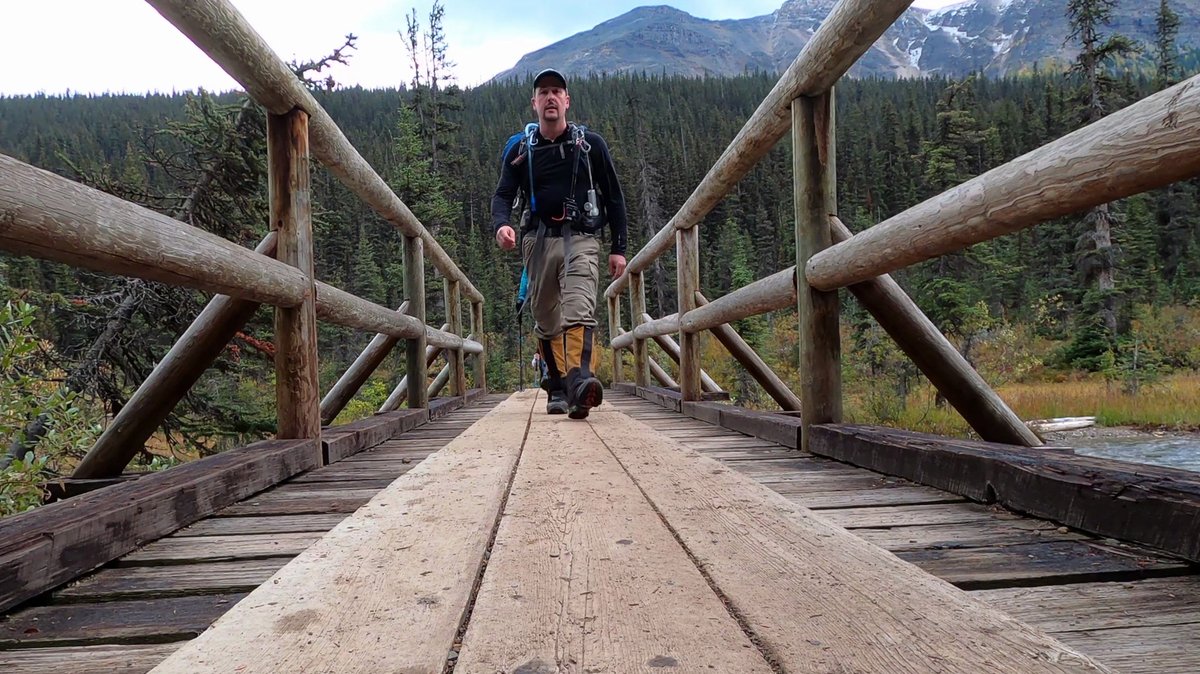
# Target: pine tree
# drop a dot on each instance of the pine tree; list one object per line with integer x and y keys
{"x": 1096, "y": 257}
{"x": 1166, "y": 53}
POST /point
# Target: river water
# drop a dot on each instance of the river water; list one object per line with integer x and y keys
{"x": 1175, "y": 451}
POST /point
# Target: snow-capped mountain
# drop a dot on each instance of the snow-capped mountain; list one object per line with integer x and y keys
{"x": 993, "y": 36}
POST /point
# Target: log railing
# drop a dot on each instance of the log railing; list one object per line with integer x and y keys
{"x": 47, "y": 216}
{"x": 1148, "y": 145}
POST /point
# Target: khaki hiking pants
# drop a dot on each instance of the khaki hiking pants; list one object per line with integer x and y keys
{"x": 562, "y": 295}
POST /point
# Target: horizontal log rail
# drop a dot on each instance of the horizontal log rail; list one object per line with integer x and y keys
{"x": 221, "y": 32}
{"x": 53, "y": 218}
{"x": 845, "y": 35}
{"x": 1149, "y": 144}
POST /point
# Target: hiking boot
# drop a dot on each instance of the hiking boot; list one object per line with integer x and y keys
{"x": 556, "y": 403}
{"x": 589, "y": 394}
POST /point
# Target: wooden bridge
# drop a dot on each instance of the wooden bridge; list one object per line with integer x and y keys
{"x": 669, "y": 531}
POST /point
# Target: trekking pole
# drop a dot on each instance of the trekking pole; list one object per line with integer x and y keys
{"x": 520, "y": 348}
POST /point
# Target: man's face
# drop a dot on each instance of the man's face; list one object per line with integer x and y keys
{"x": 551, "y": 102}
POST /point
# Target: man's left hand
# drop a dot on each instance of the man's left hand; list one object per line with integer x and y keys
{"x": 616, "y": 265}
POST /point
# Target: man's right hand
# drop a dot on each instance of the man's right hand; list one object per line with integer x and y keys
{"x": 506, "y": 237}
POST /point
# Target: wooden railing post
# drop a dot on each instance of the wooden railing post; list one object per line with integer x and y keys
{"x": 614, "y": 322}
{"x": 815, "y": 201}
{"x": 687, "y": 242}
{"x": 637, "y": 308}
{"x": 296, "y": 393}
{"x": 481, "y": 335}
{"x": 458, "y": 371}
{"x": 671, "y": 348}
{"x": 414, "y": 291}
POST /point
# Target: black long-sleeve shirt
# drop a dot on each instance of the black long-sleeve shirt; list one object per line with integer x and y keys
{"x": 553, "y": 161}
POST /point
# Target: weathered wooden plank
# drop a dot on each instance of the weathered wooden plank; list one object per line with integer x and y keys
{"x": 1151, "y": 505}
{"x": 913, "y": 515}
{"x": 687, "y": 265}
{"x": 224, "y": 526}
{"x": 192, "y": 549}
{"x": 285, "y": 504}
{"x": 171, "y": 580}
{"x": 584, "y": 572}
{"x": 107, "y": 659}
{"x": 359, "y": 470}
{"x": 1142, "y": 650}
{"x": 102, "y": 525}
{"x": 817, "y": 598}
{"x": 968, "y": 535}
{"x": 403, "y": 566}
{"x": 883, "y": 496}
{"x": 1101, "y": 606}
{"x": 1039, "y": 563}
{"x": 369, "y": 432}
{"x": 142, "y": 620}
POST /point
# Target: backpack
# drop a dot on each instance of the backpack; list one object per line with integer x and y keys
{"x": 525, "y": 139}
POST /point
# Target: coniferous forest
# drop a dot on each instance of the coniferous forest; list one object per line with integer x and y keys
{"x": 1030, "y": 309}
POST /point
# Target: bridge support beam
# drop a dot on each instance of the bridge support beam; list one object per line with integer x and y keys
{"x": 614, "y": 322}
{"x": 296, "y": 392}
{"x": 815, "y": 200}
{"x": 400, "y": 393}
{"x": 414, "y": 290}
{"x": 687, "y": 243}
{"x": 669, "y": 347}
{"x": 637, "y": 309}
{"x": 458, "y": 370}
{"x": 477, "y": 328}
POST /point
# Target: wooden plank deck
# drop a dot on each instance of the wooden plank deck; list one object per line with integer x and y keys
{"x": 131, "y": 614}
{"x": 1071, "y": 585}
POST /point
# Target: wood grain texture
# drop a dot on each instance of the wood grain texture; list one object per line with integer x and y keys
{"x": 172, "y": 580}
{"x": 339, "y": 306}
{"x": 416, "y": 369}
{"x": 358, "y": 373}
{"x": 1101, "y": 606}
{"x": 458, "y": 367}
{"x": 97, "y": 527}
{"x": 687, "y": 267}
{"x": 218, "y": 29}
{"x": 614, "y": 322}
{"x": 297, "y": 388}
{"x": 478, "y": 328}
{"x": 775, "y": 292}
{"x": 1144, "y": 146}
{"x": 221, "y": 526}
{"x": 936, "y": 357}
{"x": 188, "y": 549}
{"x": 144, "y": 620}
{"x": 53, "y": 218}
{"x": 584, "y": 577}
{"x": 845, "y": 35}
{"x": 818, "y": 598}
{"x": 1151, "y": 505}
{"x": 387, "y": 588}
{"x": 174, "y": 375}
{"x": 819, "y": 337}
{"x": 637, "y": 309}
{"x": 107, "y": 659}
{"x": 752, "y": 362}
{"x": 1143, "y": 650}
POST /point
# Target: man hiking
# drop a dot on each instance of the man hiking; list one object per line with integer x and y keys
{"x": 570, "y": 184}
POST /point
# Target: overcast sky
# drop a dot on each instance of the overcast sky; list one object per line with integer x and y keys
{"x": 96, "y": 46}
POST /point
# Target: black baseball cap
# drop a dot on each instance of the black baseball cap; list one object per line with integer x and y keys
{"x": 549, "y": 72}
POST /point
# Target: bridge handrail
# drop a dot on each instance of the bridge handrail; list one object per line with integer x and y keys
{"x": 221, "y": 32}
